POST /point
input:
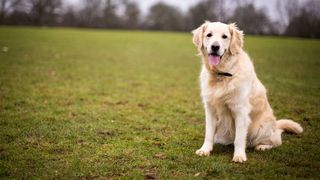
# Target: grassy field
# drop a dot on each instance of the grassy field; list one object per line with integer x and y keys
{"x": 105, "y": 104}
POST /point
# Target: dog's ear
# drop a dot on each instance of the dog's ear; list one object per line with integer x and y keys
{"x": 198, "y": 35}
{"x": 236, "y": 43}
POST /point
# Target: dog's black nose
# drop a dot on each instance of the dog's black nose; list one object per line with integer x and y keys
{"x": 215, "y": 48}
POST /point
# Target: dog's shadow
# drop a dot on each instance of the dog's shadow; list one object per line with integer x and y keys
{"x": 222, "y": 149}
{"x": 226, "y": 149}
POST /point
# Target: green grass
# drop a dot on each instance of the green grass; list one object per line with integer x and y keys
{"x": 105, "y": 104}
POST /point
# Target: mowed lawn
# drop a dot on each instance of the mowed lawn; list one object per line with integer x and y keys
{"x": 104, "y": 104}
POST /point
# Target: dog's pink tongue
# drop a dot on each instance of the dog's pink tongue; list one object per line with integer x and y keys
{"x": 214, "y": 60}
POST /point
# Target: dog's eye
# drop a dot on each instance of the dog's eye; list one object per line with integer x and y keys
{"x": 209, "y": 35}
{"x": 224, "y": 36}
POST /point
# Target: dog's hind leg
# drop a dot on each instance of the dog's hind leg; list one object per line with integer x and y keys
{"x": 270, "y": 142}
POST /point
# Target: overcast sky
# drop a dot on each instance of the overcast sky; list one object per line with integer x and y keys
{"x": 185, "y": 4}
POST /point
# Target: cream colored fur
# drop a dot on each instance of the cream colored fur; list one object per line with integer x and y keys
{"x": 236, "y": 108}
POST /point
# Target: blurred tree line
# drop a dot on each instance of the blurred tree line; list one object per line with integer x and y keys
{"x": 295, "y": 18}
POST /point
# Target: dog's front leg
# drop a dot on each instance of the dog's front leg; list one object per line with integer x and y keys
{"x": 210, "y": 131}
{"x": 242, "y": 121}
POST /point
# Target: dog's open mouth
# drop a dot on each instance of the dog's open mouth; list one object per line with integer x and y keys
{"x": 214, "y": 59}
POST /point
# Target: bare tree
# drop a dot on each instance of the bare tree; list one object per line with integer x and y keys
{"x": 287, "y": 9}
{"x": 90, "y": 13}
{"x": 295, "y": 17}
{"x": 44, "y": 12}
{"x": 205, "y": 10}
{"x": 6, "y": 7}
{"x": 252, "y": 20}
{"x": 110, "y": 17}
{"x": 222, "y": 15}
{"x": 70, "y": 17}
{"x": 312, "y": 6}
{"x": 99, "y": 14}
{"x": 131, "y": 15}
{"x": 164, "y": 17}
{"x": 306, "y": 22}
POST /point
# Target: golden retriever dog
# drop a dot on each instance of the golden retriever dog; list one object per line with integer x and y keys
{"x": 236, "y": 106}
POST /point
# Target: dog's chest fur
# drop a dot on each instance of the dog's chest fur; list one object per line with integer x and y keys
{"x": 216, "y": 90}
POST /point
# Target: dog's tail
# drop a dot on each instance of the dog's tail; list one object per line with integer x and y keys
{"x": 289, "y": 126}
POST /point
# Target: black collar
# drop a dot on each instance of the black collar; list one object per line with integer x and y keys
{"x": 224, "y": 74}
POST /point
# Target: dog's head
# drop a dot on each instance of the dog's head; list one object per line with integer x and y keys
{"x": 215, "y": 40}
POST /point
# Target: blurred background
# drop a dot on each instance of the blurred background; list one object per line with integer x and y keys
{"x": 80, "y": 103}
{"x": 299, "y": 18}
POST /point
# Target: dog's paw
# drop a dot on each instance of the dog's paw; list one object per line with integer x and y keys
{"x": 203, "y": 152}
{"x": 239, "y": 158}
{"x": 263, "y": 147}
